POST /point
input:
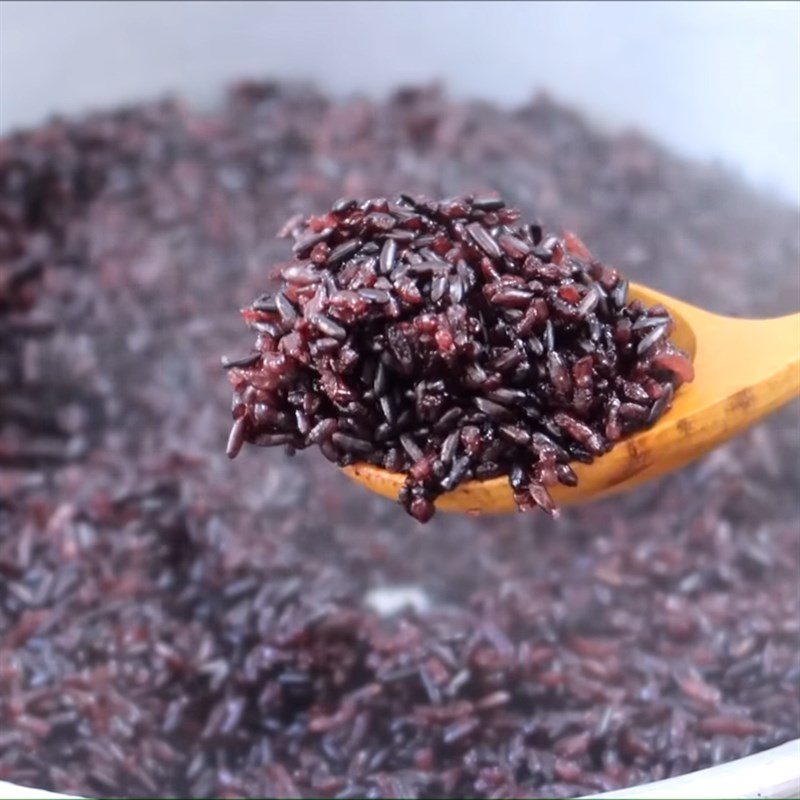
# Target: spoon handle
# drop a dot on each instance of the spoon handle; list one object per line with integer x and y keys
{"x": 749, "y": 367}
{"x": 744, "y": 370}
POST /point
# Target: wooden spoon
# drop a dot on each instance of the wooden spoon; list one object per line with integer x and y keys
{"x": 744, "y": 370}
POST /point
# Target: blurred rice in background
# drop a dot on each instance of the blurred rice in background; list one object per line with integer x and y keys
{"x": 713, "y": 80}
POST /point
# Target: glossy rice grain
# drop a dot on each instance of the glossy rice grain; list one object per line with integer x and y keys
{"x": 473, "y": 326}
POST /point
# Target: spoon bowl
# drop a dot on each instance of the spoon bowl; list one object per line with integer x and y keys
{"x": 744, "y": 370}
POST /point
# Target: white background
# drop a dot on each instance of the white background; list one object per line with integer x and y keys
{"x": 713, "y": 80}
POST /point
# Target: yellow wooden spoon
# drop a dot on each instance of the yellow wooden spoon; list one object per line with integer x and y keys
{"x": 744, "y": 370}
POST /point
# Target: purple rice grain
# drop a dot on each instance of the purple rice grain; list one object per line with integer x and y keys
{"x": 441, "y": 332}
